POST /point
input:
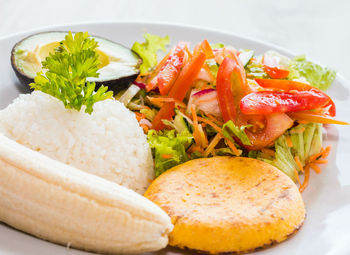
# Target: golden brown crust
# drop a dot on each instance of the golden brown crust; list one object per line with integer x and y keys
{"x": 228, "y": 205}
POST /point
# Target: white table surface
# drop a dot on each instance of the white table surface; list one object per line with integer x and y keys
{"x": 317, "y": 28}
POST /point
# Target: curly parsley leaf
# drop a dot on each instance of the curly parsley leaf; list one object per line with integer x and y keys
{"x": 67, "y": 70}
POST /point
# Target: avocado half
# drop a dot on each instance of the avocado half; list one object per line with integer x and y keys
{"x": 119, "y": 65}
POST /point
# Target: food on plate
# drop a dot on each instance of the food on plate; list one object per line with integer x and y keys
{"x": 216, "y": 100}
{"x": 62, "y": 204}
{"x": 228, "y": 204}
{"x": 108, "y": 143}
{"x": 118, "y": 65}
{"x": 262, "y": 114}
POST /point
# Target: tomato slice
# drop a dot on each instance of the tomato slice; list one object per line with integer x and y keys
{"x": 168, "y": 70}
{"x": 273, "y": 68}
{"x": 231, "y": 85}
{"x": 178, "y": 91}
{"x": 266, "y": 102}
{"x": 287, "y": 85}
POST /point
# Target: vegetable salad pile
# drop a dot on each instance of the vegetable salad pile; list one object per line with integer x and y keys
{"x": 217, "y": 100}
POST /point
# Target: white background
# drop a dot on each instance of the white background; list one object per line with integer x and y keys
{"x": 317, "y": 28}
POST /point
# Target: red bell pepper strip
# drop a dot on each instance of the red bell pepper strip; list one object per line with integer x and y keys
{"x": 178, "y": 91}
{"x": 267, "y": 102}
{"x": 287, "y": 86}
{"x": 168, "y": 70}
{"x": 204, "y": 47}
{"x": 273, "y": 69}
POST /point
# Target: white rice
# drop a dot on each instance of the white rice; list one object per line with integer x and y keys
{"x": 108, "y": 143}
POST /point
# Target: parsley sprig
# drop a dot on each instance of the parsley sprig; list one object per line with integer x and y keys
{"x": 67, "y": 69}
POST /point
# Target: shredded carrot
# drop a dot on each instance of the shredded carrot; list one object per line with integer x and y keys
{"x": 316, "y": 156}
{"x": 219, "y": 130}
{"x": 233, "y": 147}
{"x": 306, "y": 179}
{"x": 145, "y": 128}
{"x": 211, "y": 117}
{"x": 140, "y": 116}
{"x": 297, "y": 176}
{"x": 159, "y": 101}
{"x": 212, "y": 144}
{"x": 315, "y": 168}
{"x": 194, "y": 148}
{"x": 326, "y": 152}
{"x": 313, "y": 162}
{"x": 167, "y": 156}
{"x": 196, "y": 134}
{"x": 300, "y": 166}
{"x": 268, "y": 152}
{"x": 321, "y": 161}
{"x": 209, "y": 122}
{"x": 289, "y": 141}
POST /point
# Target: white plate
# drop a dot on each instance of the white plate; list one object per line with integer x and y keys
{"x": 327, "y": 226}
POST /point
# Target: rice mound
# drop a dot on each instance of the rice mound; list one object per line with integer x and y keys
{"x": 108, "y": 143}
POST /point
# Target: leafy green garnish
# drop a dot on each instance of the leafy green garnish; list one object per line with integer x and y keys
{"x": 67, "y": 69}
{"x": 318, "y": 76}
{"x": 148, "y": 50}
{"x": 168, "y": 148}
{"x": 213, "y": 67}
{"x": 229, "y": 129}
{"x": 217, "y": 45}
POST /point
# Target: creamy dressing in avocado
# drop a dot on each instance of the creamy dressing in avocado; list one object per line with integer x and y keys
{"x": 31, "y": 60}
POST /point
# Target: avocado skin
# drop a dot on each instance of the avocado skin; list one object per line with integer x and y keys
{"x": 24, "y": 79}
{"x": 119, "y": 84}
{"x": 113, "y": 85}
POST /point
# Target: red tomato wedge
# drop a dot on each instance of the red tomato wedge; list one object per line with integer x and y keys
{"x": 273, "y": 68}
{"x": 178, "y": 91}
{"x": 231, "y": 85}
{"x": 287, "y": 85}
{"x": 168, "y": 70}
{"x": 267, "y": 102}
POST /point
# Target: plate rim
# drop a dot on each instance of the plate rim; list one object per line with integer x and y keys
{"x": 339, "y": 76}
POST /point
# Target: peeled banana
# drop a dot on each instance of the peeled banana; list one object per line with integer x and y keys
{"x": 59, "y": 203}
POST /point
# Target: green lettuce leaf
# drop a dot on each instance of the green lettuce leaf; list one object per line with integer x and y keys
{"x": 168, "y": 148}
{"x": 213, "y": 67}
{"x": 217, "y": 45}
{"x": 318, "y": 76}
{"x": 148, "y": 50}
{"x": 229, "y": 129}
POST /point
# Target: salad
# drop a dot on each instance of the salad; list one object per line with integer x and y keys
{"x": 219, "y": 100}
